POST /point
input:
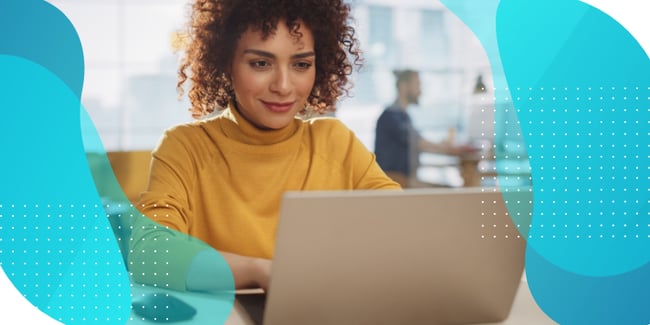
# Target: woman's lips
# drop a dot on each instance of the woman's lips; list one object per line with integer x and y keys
{"x": 278, "y": 107}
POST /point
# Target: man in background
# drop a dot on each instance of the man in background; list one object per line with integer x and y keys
{"x": 397, "y": 143}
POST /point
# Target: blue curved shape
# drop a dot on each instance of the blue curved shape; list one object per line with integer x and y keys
{"x": 37, "y": 31}
{"x": 121, "y": 213}
{"x": 59, "y": 224}
{"x": 58, "y": 247}
{"x": 580, "y": 87}
{"x": 571, "y": 298}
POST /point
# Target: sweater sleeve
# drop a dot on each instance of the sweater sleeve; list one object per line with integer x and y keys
{"x": 346, "y": 150}
{"x": 366, "y": 170}
{"x": 161, "y": 252}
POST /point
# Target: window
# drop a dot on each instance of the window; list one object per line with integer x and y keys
{"x": 131, "y": 69}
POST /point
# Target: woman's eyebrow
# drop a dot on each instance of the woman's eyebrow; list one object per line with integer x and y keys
{"x": 303, "y": 55}
{"x": 272, "y": 56}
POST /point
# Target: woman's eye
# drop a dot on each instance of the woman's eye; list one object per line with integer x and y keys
{"x": 303, "y": 65}
{"x": 260, "y": 64}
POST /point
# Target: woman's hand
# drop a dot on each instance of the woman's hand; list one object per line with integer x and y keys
{"x": 261, "y": 270}
{"x": 249, "y": 272}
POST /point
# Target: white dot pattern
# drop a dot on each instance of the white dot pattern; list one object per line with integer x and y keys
{"x": 63, "y": 258}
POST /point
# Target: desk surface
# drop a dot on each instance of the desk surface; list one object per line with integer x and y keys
{"x": 524, "y": 309}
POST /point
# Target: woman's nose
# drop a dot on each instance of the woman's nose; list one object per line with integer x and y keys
{"x": 281, "y": 82}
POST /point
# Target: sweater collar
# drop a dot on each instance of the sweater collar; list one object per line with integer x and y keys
{"x": 241, "y": 130}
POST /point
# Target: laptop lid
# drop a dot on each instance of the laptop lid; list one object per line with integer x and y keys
{"x": 418, "y": 256}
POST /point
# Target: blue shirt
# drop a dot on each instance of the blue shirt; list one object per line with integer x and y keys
{"x": 396, "y": 141}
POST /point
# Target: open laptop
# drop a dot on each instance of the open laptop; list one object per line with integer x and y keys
{"x": 418, "y": 256}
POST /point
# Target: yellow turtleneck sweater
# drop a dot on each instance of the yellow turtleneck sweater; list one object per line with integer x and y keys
{"x": 221, "y": 181}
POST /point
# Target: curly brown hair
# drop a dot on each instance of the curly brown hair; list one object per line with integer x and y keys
{"x": 216, "y": 26}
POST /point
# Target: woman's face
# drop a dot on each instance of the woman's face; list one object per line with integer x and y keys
{"x": 272, "y": 78}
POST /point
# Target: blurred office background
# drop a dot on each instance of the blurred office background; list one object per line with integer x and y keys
{"x": 131, "y": 69}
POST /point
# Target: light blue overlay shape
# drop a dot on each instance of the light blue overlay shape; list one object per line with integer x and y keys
{"x": 580, "y": 87}
{"x": 37, "y": 31}
{"x": 547, "y": 44}
{"x": 57, "y": 245}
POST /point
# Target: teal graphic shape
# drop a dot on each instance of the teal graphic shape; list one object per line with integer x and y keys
{"x": 579, "y": 83}
{"x": 54, "y": 252}
{"x": 37, "y": 31}
{"x": 57, "y": 245}
{"x": 570, "y": 298}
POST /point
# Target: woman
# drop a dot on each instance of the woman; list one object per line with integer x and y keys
{"x": 220, "y": 180}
